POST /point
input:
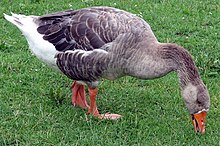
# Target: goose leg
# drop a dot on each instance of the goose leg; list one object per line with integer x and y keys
{"x": 78, "y": 95}
{"x": 93, "y": 108}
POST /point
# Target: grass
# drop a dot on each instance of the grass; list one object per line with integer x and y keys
{"x": 35, "y": 101}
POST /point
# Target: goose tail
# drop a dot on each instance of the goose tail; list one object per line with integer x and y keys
{"x": 21, "y": 21}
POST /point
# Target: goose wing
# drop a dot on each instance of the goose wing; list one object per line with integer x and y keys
{"x": 88, "y": 28}
{"x": 82, "y": 65}
{"x": 85, "y": 37}
{"x": 109, "y": 61}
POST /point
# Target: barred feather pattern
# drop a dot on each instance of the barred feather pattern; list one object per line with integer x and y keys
{"x": 110, "y": 61}
{"x": 82, "y": 65}
{"x": 88, "y": 28}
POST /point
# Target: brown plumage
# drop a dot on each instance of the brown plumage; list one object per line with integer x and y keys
{"x": 104, "y": 42}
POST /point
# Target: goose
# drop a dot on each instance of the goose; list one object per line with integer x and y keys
{"x": 104, "y": 42}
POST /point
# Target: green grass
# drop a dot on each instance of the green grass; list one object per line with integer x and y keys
{"x": 35, "y": 101}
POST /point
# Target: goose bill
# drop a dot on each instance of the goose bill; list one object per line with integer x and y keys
{"x": 198, "y": 121}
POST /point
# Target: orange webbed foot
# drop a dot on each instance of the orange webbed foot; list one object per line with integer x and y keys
{"x": 93, "y": 108}
{"x": 79, "y": 95}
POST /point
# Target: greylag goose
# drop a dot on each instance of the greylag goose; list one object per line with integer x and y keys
{"x": 103, "y": 42}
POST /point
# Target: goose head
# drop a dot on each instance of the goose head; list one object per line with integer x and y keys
{"x": 197, "y": 101}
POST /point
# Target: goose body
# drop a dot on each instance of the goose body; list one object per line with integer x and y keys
{"x": 103, "y": 42}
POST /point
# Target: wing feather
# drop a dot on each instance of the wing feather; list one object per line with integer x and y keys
{"x": 82, "y": 65}
{"x": 86, "y": 29}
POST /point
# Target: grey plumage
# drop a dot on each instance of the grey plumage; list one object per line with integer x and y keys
{"x": 104, "y": 42}
{"x": 110, "y": 43}
{"x": 77, "y": 66}
{"x": 87, "y": 29}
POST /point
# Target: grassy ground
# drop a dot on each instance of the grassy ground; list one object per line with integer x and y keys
{"x": 35, "y": 101}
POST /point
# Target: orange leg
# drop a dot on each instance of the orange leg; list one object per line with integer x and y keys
{"x": 93, "y": 108}
{"x": 79, "y": 95}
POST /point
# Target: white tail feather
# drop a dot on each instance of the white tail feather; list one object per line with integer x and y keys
{"x": 14, "y": 19}
{"x": 21, "y": 21}
{"x": 43, "y": 49}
